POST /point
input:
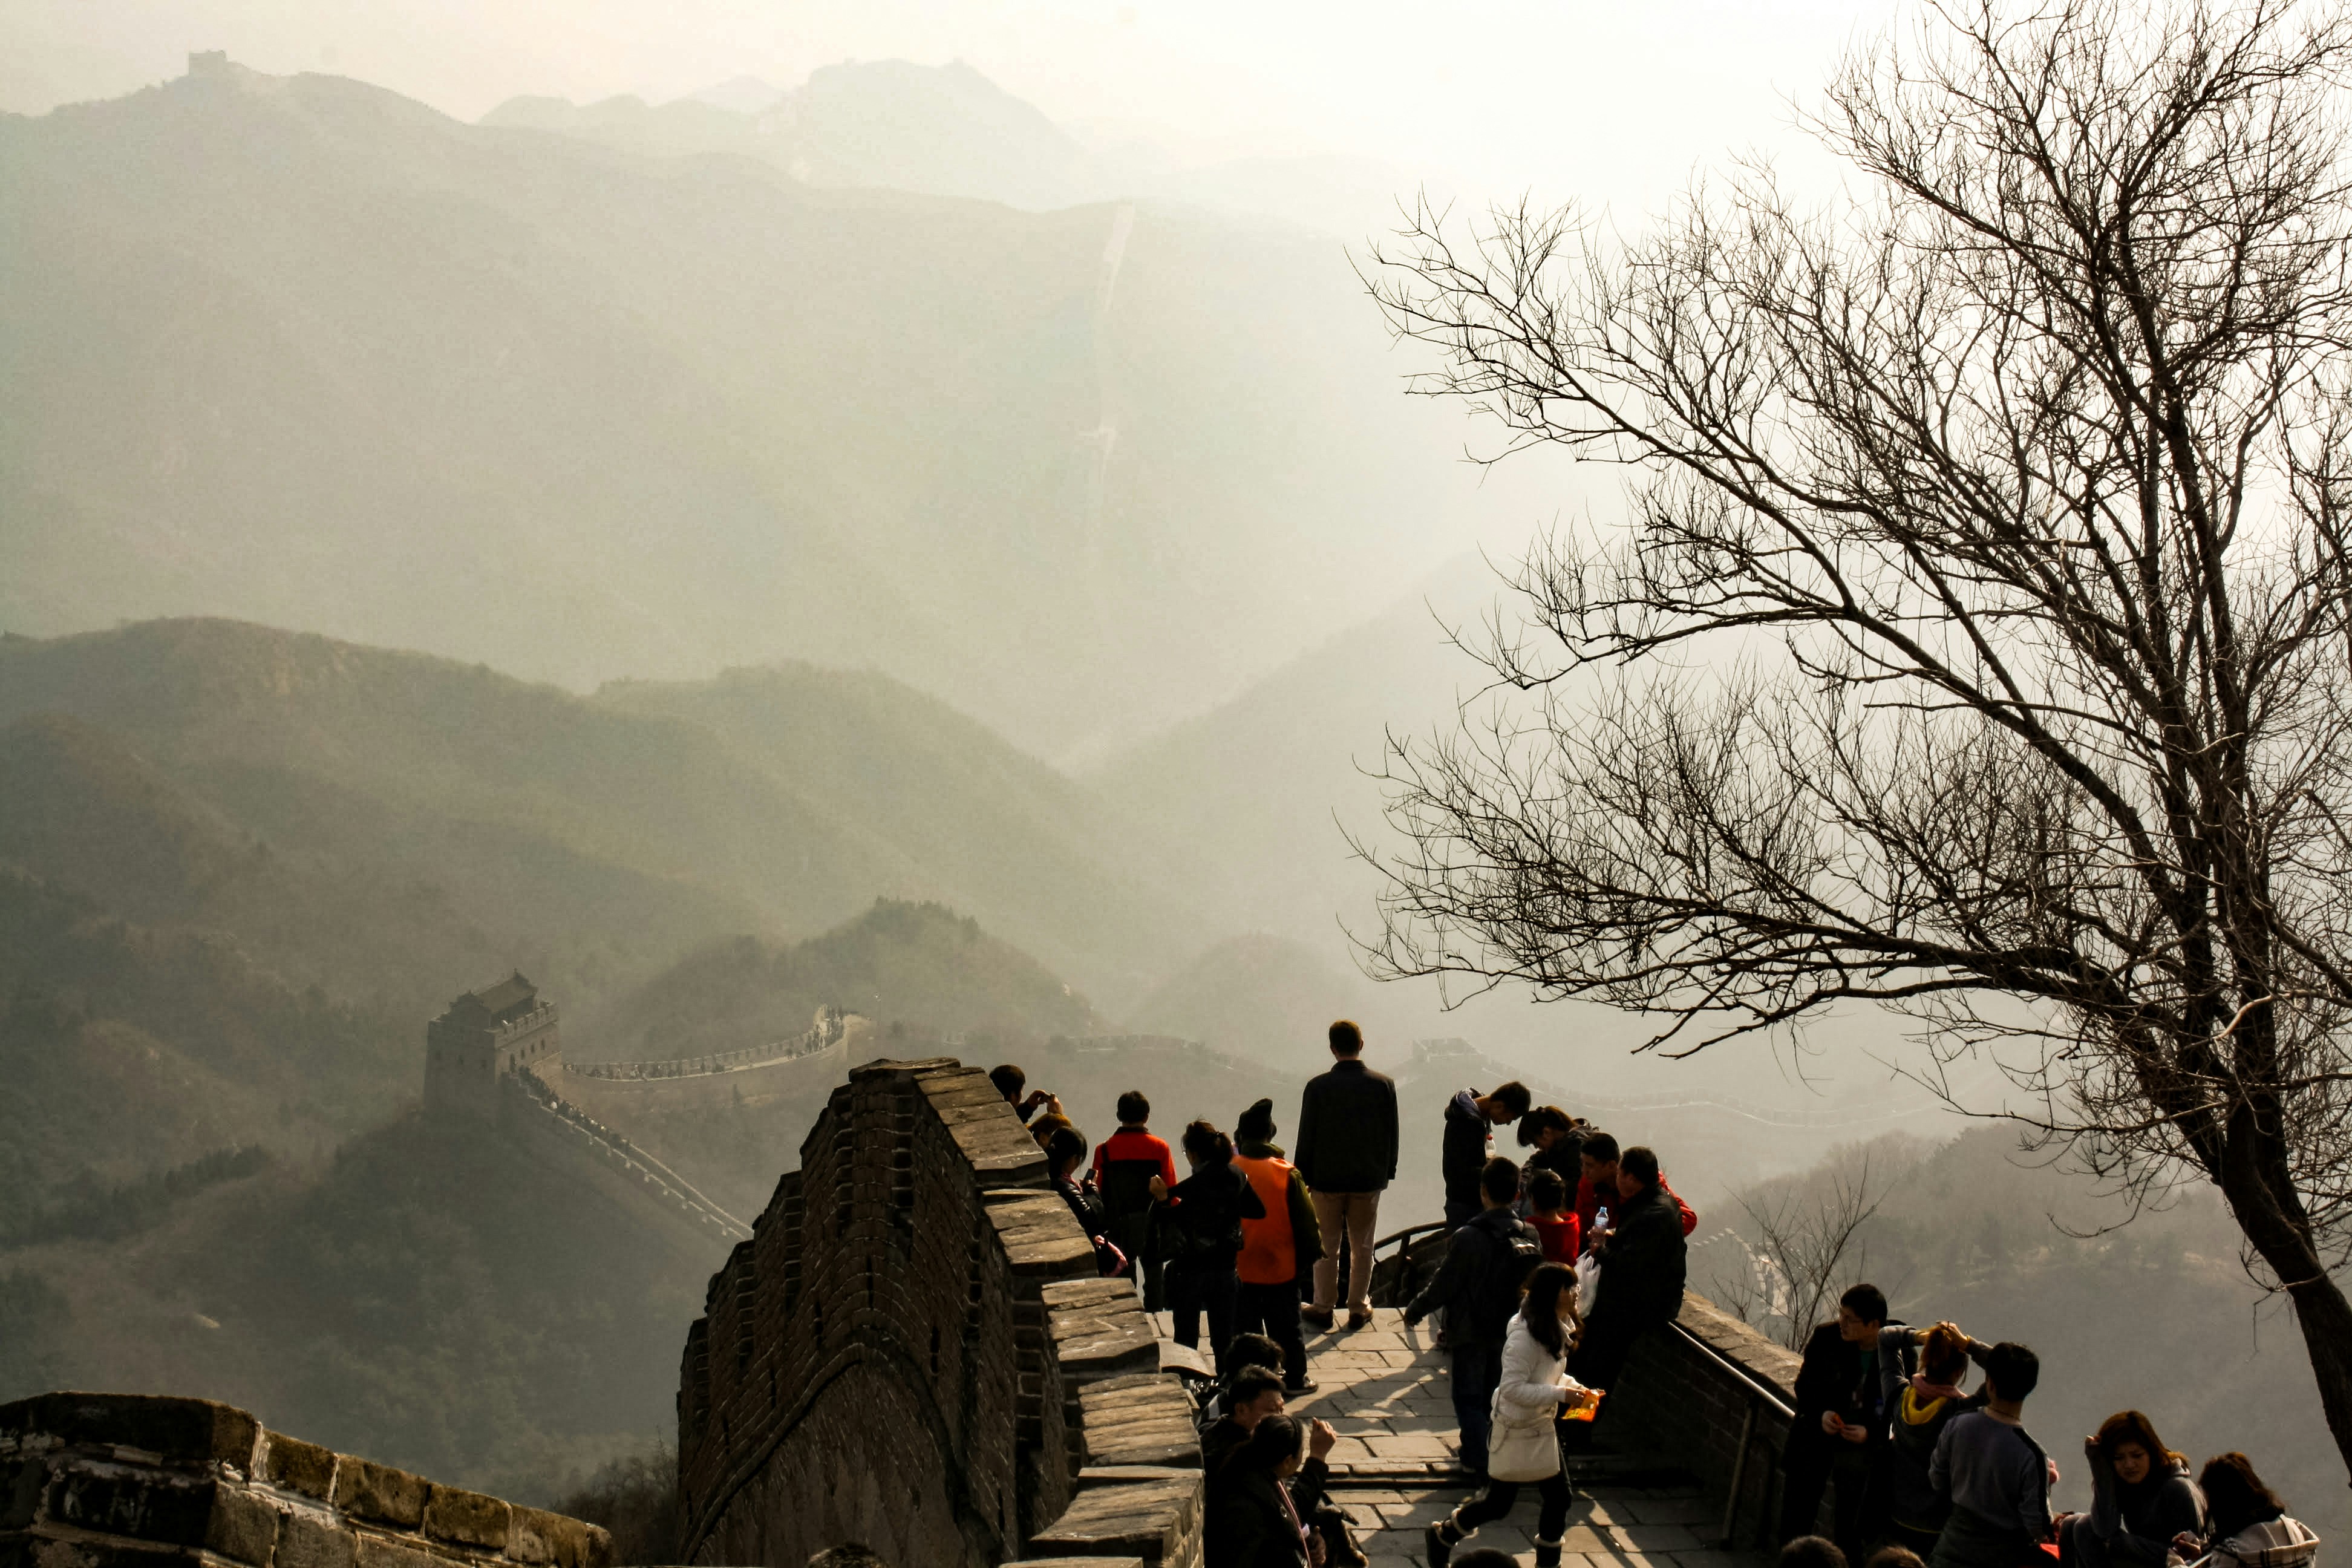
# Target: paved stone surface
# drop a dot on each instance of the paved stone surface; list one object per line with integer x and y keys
{"x": 1384, "y": 1389}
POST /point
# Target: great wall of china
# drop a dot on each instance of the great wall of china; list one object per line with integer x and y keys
{"x": 908, "y": 1349}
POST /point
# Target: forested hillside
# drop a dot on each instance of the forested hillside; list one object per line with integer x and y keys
{"x": 590, "y": 842}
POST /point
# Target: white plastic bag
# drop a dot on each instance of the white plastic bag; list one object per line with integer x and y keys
{"x": 1587, "y": 1284}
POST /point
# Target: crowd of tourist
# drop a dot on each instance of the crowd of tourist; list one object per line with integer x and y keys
{"x": 1554, "y": 1269}
{"x": 1917, "y": 1470}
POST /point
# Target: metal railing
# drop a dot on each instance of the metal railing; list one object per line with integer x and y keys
{"x": 1760, "y": 1397}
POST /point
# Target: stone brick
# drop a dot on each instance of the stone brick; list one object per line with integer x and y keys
{"x": 469, "y": 1518}
{"x": 244, "y": 1526}
{"x": 166, "y": 1507}
{"x": 535, "y": 1535}
{"x": 22, "y": 1481}
{"x": 297, "y": 1466}
{"x": 391, "y": 1552}
{"x": 307, "y": 1539}
{"x": 378, "y": 1493}
{"x": 38, "y": 1552}
{"x": 184, "y": 1430}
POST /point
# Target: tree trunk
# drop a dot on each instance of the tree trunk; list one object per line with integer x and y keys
{"x": 2320, "y": 1306}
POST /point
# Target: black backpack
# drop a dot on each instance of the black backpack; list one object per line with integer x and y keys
{"x": 1510, "y": 1257}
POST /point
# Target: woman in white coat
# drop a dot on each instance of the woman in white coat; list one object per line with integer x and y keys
{"x": 1525, "y": 1446}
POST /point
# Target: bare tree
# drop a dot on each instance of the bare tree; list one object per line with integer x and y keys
{"x": 1804, "y": 1233}
{"x": 1750, "y": 1290}
{"x": 1979, "y": 641}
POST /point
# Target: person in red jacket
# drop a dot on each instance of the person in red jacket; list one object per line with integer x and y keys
{"x": 1555, "y": 1222}
{"x": 1276, "y": 1247}
{"x": 1125, "y": 1163}
{"x": 1596, "y": 1191}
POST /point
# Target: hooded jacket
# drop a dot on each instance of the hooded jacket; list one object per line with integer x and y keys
{"x": 1469, "y": 1143}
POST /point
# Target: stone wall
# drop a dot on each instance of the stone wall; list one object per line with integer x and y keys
{"x": 913, "y": 1354}
{"x": 759, "y": 1080}
{"x": 110, "y": 1480}
{"x": 1711, "y": 1396}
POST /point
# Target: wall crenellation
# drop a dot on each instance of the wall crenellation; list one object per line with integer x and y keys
{"x": 901, "y": 1355}
{"x": 103, "y": 1480}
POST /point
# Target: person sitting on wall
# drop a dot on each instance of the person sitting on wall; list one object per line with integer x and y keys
{"x": 1252, "y": 1520}
{"x": 1643, "y": 1265}
{"x": 1010, "y": 1081}
{"x": 1065, "y": 1151}
{"x": 2141, "y": 1497}
{"x": 1276, "y": 1248}
{"x": 1246, "y": 1351}
{"x": 1204, "y": 1214}
{"x": 1253, "y": 1393}
{"x": 1471, "y": 1119}
{"x": 2246, "y": 1524}
{"x": 1993, "y": 1473}
{"x": 1597, "y": 1194}
{"x": 1840, "y": 1420}
{"x": 1909, "y": 1509}
{"x": 1125, "y": 1163}
{"x": 1487, "y": 1261}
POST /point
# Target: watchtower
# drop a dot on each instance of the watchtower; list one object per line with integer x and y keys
{"x": 483, "y": 1036}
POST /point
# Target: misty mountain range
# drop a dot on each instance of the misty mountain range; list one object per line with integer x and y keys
{"x": 302, "y": 351}
{"x": 949, "y": 131}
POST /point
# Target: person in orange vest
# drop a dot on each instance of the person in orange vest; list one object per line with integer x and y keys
{"x": 1275, "y": 1250}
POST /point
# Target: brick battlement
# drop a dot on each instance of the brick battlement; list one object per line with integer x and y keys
{"x": 913, "y": 1353}
{"x": 116, "y": 1480}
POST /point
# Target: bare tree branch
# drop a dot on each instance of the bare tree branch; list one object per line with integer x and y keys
{"x": 1977, "y": 641}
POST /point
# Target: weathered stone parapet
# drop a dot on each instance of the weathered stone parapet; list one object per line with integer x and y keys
{"x": 1710, "y": 1396}
{"x": 113, "y": 1481}
{"x": 913, "y": 1351}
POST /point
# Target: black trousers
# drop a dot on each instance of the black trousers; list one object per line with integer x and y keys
{"x": 1812, "y": 1463}
{"x": 1273, "y": 1311}
{"x": 1194, "y": 1291}
{"x": 1497, "y": 1499}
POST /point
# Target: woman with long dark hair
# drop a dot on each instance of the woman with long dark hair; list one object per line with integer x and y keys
{"x": 2245, "y": 1523}
{"x": 2141, "y": 1497}
{"x": 1524, "y": 1445}
{"x": 1253, "y": 1524}
{"x": 1204, "y": 1213}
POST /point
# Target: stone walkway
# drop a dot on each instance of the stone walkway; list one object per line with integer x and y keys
{"x": 1384, "y": 1390}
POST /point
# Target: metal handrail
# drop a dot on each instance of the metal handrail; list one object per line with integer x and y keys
{"x": 1764, "y": 1392}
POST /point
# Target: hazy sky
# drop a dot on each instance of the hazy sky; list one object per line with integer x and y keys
{"x": 1610, "y": 103}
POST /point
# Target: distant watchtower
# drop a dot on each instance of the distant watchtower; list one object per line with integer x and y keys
{"x": 483, "y": 1036}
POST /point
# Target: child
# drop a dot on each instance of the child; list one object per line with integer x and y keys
{"x": 1555, "y": 1222}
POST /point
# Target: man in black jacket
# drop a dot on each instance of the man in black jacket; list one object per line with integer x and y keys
{"x": 1841, "y": 1419}
{"x": 1348, "y": 1153}
{"x": 1643, "y": 1265}
{"x": 1471, "y": 1119}
{"x": 1487, "y": 1261}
